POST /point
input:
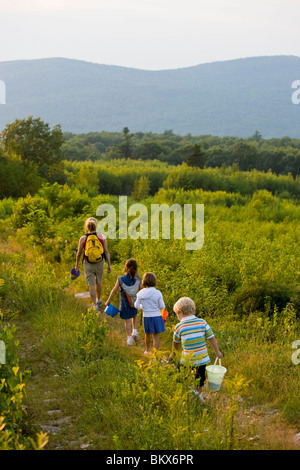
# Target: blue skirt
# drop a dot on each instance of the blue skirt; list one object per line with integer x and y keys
{"x": 154, "y": 325}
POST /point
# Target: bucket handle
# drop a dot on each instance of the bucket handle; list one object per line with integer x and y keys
{"x": 216, "y": 362}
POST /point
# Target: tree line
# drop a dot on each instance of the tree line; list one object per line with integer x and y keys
{"x": 281, "y": 156}
{"x": 31, "y": 153}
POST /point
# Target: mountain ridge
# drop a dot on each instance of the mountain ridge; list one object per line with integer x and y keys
{"x": 234, "y": 97}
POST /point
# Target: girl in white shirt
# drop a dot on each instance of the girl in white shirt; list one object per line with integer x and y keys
{"x": 150, "y": 300}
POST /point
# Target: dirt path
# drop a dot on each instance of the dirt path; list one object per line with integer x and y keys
{"x": 45, "y": 401}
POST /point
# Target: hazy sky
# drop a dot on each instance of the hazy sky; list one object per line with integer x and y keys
{"x": 148, "y": 34}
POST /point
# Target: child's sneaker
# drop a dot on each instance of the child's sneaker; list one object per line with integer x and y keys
{"x": 130, "y": 341}
{"x": 98, "y": 305}
{"x": 135, "y": 335}
{"x": 201, "y": 397}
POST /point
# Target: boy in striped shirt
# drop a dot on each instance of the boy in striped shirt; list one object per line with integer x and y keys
{"x": 192, "y": 332}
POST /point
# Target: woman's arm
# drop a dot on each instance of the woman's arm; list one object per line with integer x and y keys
{"x": 79, "y": 251}
{"x": 107, "y": 255}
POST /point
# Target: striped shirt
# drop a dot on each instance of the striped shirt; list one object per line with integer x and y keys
{"x": 192, "y": 332}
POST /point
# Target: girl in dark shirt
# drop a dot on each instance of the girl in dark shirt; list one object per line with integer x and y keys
{"x": 127, "y": 312}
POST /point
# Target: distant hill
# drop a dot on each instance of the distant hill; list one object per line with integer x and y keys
{"x": 235, "y": 97}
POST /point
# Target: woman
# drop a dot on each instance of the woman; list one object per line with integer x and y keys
{"x": 93, "y": 268}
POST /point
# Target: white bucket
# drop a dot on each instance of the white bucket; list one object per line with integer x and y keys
{"x": 215, "y": 375}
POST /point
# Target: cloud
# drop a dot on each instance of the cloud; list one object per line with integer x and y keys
{"x": 151, "y": 34}
{"x": 21, "y": 6}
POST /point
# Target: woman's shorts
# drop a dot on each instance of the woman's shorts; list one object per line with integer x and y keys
{"x": 154, "y": 325}
{"x": 93, "y": 272}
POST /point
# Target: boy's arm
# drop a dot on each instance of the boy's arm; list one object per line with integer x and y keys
{"x": 214, "y": 344}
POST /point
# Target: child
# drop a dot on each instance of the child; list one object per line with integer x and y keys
{"x": 150, "y": 300}
{"x": 192, "y": 332}
{"x": 127, "y": 310}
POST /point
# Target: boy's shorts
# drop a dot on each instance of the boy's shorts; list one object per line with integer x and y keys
{"x": 93, "y": 272}
{"x": 154, "y": 325}
{"x": 199, "y": 373}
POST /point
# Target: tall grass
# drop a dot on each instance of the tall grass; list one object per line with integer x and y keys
{"x": 244, "y": 281}
{"x": 123, "y": 402}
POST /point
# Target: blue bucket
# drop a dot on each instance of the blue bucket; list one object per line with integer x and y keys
{"x": 111, "y": 310}
{"x": 74, "y": 274}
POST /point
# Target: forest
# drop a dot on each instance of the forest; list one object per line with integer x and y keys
{"x": 104, "y": 158}
{"x": 244, "y": 281}
{"x": 281, "y": 156}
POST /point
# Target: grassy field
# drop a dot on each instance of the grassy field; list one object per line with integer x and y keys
{"x": 88, "y": 390}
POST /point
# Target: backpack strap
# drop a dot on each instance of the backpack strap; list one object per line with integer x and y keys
{"x": 123, "y": 283}
{"x": 128, "y": 297}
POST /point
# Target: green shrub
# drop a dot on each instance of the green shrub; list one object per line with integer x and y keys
{"x": 12, "y": 390}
